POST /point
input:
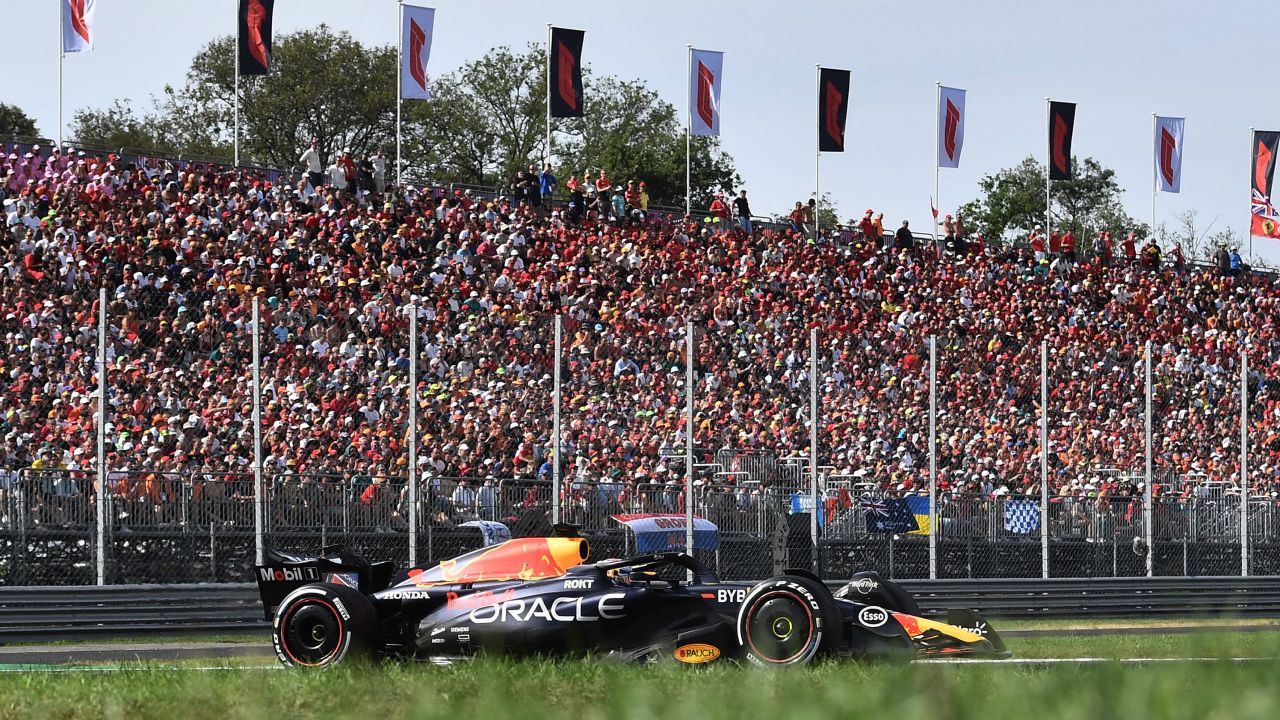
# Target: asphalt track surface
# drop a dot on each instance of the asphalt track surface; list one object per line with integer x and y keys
{"x": 34, "y": 657}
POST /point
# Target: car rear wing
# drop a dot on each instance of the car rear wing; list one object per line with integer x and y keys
{"x": 282, "y": 573}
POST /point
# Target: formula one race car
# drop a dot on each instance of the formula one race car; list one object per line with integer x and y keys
{"x": 536, "y": 596}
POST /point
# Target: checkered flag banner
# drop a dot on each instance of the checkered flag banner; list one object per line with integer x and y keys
{"x": 1021, "y": 516}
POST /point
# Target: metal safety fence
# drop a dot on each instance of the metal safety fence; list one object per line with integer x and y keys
{"x": 187, "y": 433}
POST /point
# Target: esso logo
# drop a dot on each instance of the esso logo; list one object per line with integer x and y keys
{"x": 872, "y": 616}
{"x": 866, "y": 586}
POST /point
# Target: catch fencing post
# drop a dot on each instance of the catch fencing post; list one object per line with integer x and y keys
{"x": 101, "y": 495}
{"x": 813, "y": 447}
{"x": 933, "y": 454}
{"x": 555, "y": 431}
{"x": 1147, "y": 495}
{"x": 259, "y": 497}
{"x": 1244, "y": 462}
{"x": 1044, "y": 458}
{"x": 412, "y": 474}
{"x": 688, "y": 439}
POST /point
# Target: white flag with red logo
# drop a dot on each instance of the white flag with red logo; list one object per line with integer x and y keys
{"x": 77, "y": 25}
{"x": 705, "y": 81}
{"x": 1169, "y": 153}
{"x": 418, "y": 25}
{"x": 950, "y": 127}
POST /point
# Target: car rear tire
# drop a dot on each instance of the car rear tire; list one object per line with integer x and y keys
{"x": 788, "y": 620}
{"x": 322, "y": 625}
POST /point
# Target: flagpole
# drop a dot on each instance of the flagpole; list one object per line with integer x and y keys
{"x": 547, "y": 159}
{"x": 1048, "y": 178}
{"x": 399, "y": 93}
{"x": 62, "y": 55}
{"x": 1250, "y": 228}
{"x": 1155, "y": 181}
{"x": 817, "y": 162}
{"x": 235, "y": 50}
{"x": 937, "y": 193}
{"x": 688, "y": 138}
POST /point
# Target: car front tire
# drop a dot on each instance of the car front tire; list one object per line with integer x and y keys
{"x": 788, "y": 620}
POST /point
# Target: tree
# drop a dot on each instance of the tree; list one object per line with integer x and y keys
{"x": 323, "y": 84}
{"x": 828, "y": 213}
{"x": 634, "y": 134}
{"x": 487, "y": 120}
{"x": 484, "y": 122}
{"x": 115, "y": 127}
{"x": 13, "y": 121}
{"x": 1196, "y": 243}
{"x": 1013, "y": 202}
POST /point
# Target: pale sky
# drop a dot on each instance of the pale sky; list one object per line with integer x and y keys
{"x": 1119, "y": 60}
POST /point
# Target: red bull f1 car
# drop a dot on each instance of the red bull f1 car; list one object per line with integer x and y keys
{"x": 539, "y": 596}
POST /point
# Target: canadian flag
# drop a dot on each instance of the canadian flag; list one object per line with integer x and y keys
{"x": 417, "y": 27}
{"x": 77, "y": 25}
{"x": 705, "y": 80}
{"x": 1168, "y": 156}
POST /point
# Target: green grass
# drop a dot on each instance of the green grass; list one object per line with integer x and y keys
{"x": 1114, "y": 647}
{"x": 498, "y": 690}
{"x": 1063, "y": 624}
{"x": 262, "y": 637}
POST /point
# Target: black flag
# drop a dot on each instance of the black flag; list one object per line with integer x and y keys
{"x": 255, "y": 36}
{"x": 1062, "y": 122}
{"x": 566, "y": 72}
{"x": 833, "y": 109}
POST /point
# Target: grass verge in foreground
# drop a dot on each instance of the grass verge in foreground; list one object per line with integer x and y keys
{"x": 507, "y": 689}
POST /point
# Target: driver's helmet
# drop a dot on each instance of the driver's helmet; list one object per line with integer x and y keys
{"x": 621, "y": 575}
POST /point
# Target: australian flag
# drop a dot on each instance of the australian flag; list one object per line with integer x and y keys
{"x": 890, "y": 515}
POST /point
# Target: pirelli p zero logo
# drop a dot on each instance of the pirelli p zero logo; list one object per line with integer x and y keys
{"x": 697, "y": 653}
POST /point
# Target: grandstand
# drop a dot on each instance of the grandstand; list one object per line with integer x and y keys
{"x": 184, "y": 250}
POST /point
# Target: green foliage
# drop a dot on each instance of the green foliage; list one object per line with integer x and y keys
{"x": 484, "y": 122}
{"x": 13, "y": 121}
{"x": 1013, "y": 202}
{"x": 323, "y": 84}
{"x": 487, "y": 121}
{"x": 118, "y": 126}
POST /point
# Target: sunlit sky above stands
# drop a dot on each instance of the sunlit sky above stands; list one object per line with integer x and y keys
{"x": 1120, "y": 61}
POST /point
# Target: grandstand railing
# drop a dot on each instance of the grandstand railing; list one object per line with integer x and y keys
{"x": 156, "y": 519}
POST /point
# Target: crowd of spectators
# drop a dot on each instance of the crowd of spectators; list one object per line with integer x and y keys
{"x": 182, "y": 250}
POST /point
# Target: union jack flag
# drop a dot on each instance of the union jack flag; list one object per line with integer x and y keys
{"x": 1262, "y": 205}
{"x": 1265, "y": 219}
{"x": 871, "y": 505}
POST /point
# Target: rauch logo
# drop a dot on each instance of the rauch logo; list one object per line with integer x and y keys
{"x": 697, "y": 653}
